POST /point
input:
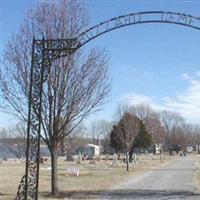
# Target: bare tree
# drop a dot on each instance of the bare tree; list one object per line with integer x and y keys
{"x": 154, "y": 126}
{"x": 173, "y": 123}
{"x": 152, "y": 122}
{"x": 100, "y": 131}
{"x": 17, "y": 140}
{"x": 77, "y": 139}
{"x": 167, "y": 127}
{"x": 77, "y": 84}
{"x": 196, "y": 137}
{"x": 125, "y": 131}
{"x": 3, "y": 135}
{"x": 142, "y": 111}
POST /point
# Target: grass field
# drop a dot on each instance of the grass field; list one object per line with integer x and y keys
{"x": 93, "y": 177}
{"x": 197, "y": 175}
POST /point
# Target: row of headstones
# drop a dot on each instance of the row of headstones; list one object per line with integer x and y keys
{"x": 11, "y": 161}
{"x": 116, "y": 161}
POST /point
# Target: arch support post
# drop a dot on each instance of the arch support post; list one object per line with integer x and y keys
{"x": 28, "y": 187}
{"x": 44, "y": 52}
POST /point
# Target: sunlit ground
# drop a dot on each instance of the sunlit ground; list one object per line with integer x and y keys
{"x": 93, "y": 177}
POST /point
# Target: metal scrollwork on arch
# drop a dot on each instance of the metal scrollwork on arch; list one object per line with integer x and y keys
{"x": 44, "y": 52}
{"x": 29, "y": 182}
{"x": 138, "y": 18}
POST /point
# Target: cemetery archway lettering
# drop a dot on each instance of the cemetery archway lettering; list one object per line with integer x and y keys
{"x": 45, "y": 51}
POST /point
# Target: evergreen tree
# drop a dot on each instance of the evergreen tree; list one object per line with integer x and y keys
{"x": 123, "y": 134}
{"x": 143, "y": 139}
{"x": 115, "y": 142}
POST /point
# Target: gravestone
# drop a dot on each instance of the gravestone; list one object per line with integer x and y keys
{"x": 79, "y": 160}
{"x": 114, "y": 162}
{"x": 135, "y": 158}
{"x": 43, "y": 160}
{"x": 73, "y": 171}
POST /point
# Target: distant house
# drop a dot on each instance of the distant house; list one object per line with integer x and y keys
{"x": 189, "y": 149}
{"x": 157, "y": 148}
{"x": 196, "y": 148}
{"x": 89, "y": 150}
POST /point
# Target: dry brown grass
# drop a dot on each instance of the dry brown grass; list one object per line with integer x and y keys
{"x": 92, "y": 177}
{"x": 197, "y": 175}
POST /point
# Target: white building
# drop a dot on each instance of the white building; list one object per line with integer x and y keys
{"x": 95, "y": 149}
{"x": 89, "y": 150}
{"x": 158, "y": 148}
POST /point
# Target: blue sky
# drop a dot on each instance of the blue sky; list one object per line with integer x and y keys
{"x": 158, "y": 64}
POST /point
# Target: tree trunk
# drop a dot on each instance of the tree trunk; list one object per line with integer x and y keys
{"x": 131, "y": 156}
{"x": 127, "y": 161}
{"x": 62, "y": 147}
{"x": 54, "y": 171}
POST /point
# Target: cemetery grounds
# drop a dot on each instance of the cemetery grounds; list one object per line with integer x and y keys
{"x": 95, "y": 176}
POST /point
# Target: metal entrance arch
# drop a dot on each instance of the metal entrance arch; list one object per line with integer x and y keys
{"x": 44, "y": 52}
